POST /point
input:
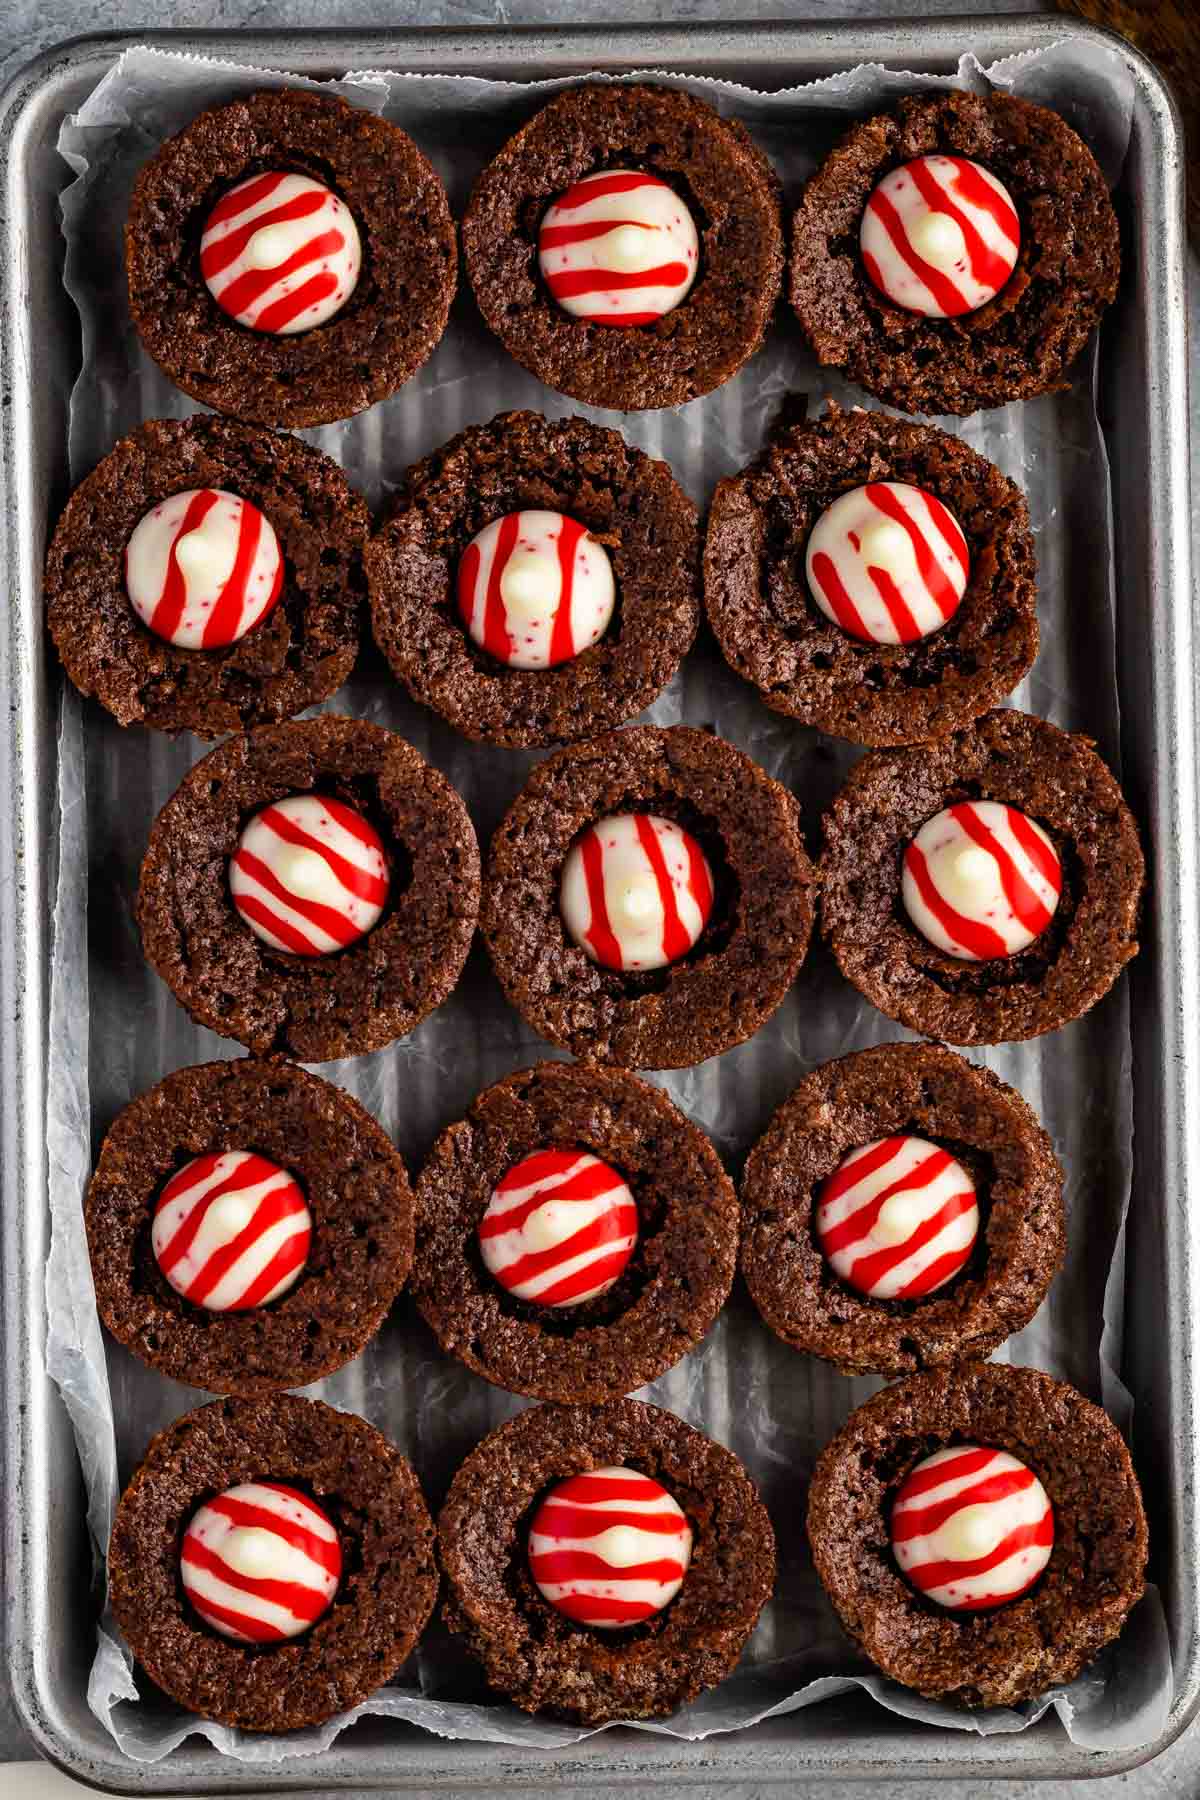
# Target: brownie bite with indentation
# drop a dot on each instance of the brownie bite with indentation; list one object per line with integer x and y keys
{"x": 480, "y": 616}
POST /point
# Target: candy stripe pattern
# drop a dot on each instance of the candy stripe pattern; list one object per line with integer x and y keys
{"x": 898, "y": 1218}
{"x": 534, "y": 589}
{"x": 261, "y": 1562}
{"x": 559, "y": 1228}
{"x": 280, "y": 253}
{"x": 618, "y": 248}
{"x": 610, "y": 1548}
{"x": 309, "y": 875}
{"x": 981, "y": 880}
{"x": 203, "y": 568}
{"x": 940, "y": 236}
{"x": 972, "y": 1528}
{"x": 637, "y": 891}
{"x": 888, "y": 563}
{"x": 231, "y": 1230}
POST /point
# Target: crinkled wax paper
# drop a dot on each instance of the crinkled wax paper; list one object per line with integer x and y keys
{"x": 116, "y": 1030}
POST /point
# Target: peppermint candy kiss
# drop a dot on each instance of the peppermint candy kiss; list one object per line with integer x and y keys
{"x": 637, "y": 891}
{"x": 309, "y": 875}
{"x": 261, "y": 1562}
{"x": 280, "y": 253}
{"x": 534, "y": 589}
{"x": 559, "y": 1228}
{"x": 888, "y": 563}
{"x": 618, "y": 248}
{"x": 981, "y": 880}
{"x": 203, "y": 568}
{"x": 972, "y": 1528}
{"x": 610, "y": 1548}
{"x": 940, "y": 236}
{"x": 898, "y": 1218}
{"x": 231, "y": 1230}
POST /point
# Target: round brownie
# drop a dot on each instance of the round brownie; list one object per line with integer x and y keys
{"x": 772, "y": 632}
{"x": 733, "y": 196}
{"x": 1015, "y": 1651}
{"x": 387, "y": 327}
{"x": 389, "y": 1582}
{"x": 629, "y": 503}
{"x": 745, "y": 958}
{"x": 300, "y": 653}
{"x": 353, "y": 1183}
{"x": 666, "y": 1297}
{"x": 314, "y": 1008}
{"x": 1059, "y": 781}
{"x": 543, "y": 1660}
{"x": 1023, "y": 341}
{"x": 929, "y": 1092}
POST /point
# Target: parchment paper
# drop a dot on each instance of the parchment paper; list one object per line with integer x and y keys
{"x": 115, "y": 1029}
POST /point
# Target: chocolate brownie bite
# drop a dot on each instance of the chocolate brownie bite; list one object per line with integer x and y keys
{"x": 576, "y": 1234}
{"x": 207, "y": 576}
{"x": 980, "y": 1532}
{"x": 281, "y": 1493}
{"x": 902, "y": 1210}
{"x": 311, "y": 888}
{"x": 291, "y": 259}
{"x": 608, "y": 1645}
{"x": 626, "y": 246}
{"x": 648, "y": 897}
{"x": 536, "y": 580}
{"x": 984, "y": 889}
{"x": 873, "y": 577}
{"x": 956, "y": 253}
{"x": 249, "y": 1226}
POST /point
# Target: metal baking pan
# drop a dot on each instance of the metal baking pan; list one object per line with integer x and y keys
{"x": 1143, "y": 404}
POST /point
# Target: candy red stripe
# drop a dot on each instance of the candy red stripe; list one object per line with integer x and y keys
{"x": 921, "y": 1521}
{"x": 675, "y": 939}
{"x": 226, "y": 615}
{"x": 940, "y": 1574}
{"x": 858, "y": 1223}
{"x": 169, "y": 610}
{"x": 906, "y": 626}
{"x": 599, "y": 932}
{"x": 289, "y": 1256}
{"x": 1042, "y": 855}
{"x": 560, "y": 237}
{"x": 851, "y": 1173}
{"x": 831, "y": 585}
{"x": 282, "y": 312}
{"x": 496, "y": 636}
{"x": 939, "y": 1270}
{"x": 240, "y": 295}
{"x": 216, "y": 257}
{"x": 950, "y": 530}
{"x": 283, "y": 929}
{"x": 271, "y": 1210}
{"x": 611, "y": 1226}
{"x": 304, "y": 1602}
{"x": 569, "y": 284}
{"x": 973, "y": 188}
{"x": 699, "y": 880}
{"x": 980, "y": 940}
{"x": 326, "y": 918}
{"x": 954, "y": 1468}
{"x": 934, "y": 577}
{"x": 325, "y": 1552}
{"x": 948, "y": 296}
{"x": 357, "y": 881}
{"x": 552, "y": 1566}
{"x": 247, "y": 1174}
{"x": 594, "y": 187}
{"x": 604, "y": 1269}
{"x": 869, "y": 1269}
{"x": 240, "y": 199}
{"x": 987, "y": 265}
{"x": 623, "y": 318}
{"x": 586, "y": 1490}
{"x": 562, "y": 638}
{"x": 564, "y": 1520}
{"x": 585, "y": 1608}
{"x": 1020, "y": 896}
{"x": 242, "y": 1623}
{"x": 588, "y": 1184}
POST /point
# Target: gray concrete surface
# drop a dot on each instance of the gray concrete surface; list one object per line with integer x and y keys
{"x": 28, "y": 26}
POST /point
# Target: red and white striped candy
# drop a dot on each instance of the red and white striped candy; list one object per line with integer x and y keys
{"x": 309, "y": 875}
{"x": 203, "y": 568}
{"x": 535, "y": 588}
{"x": 618, "y": 248}
{"x": 898, "y": 1218}
{"x": 261, "y": 1562}
{"x": 972, "y": 1527}
{"x": 940, "y": 236}
{"x": 637, "y": 891}
{"x": 888, "y": 563}
{"x": 280, "y": 253}
{"x": 231, "y": 1230}
{"x": 559, "y": 1228}
{"x": 609, "y": 1548}
{"x": 981, "y": 880}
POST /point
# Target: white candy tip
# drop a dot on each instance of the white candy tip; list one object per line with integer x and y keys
{"x": 305, "y": 872}
{"x": 625, "y": 248}
{"x": 937, "y": 237}
{"x": 545, "y": 1226}
{"x": 886, "y": 545}
{"x": 635, "y": 901}
{"x": 251, "y": 1550}
{"x": 897, "y": 1219}
{"x": 269, "y": 247}
{"x": 196, "y": 551}
{"x": 973, "y": 866}
{"x": 529, "y": 584}
{"x": 231, "y": 1213}
{"x": 971, "y": 1533}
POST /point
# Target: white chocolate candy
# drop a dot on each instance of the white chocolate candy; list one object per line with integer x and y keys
{"x": 888, "y": 563}
{"x": 231, "y": 1230}
{"x": 619, "y": 248}
{"x": 260, "y": 1533}
{"x": 280, "y": 253}
{"x": 202, "y": 568}
{"x": 535, "y": 588}
{"x": 972, "y": 1527}
{"x": 898, "y": 1218}
{"x": 559, "y": 1228}
{"x": 636, "y": 892}
{"x": 981, "y": 880}
{"x": 940, "y": 236}
{"x": 609, "y": 1574}
{"x": 309, "y": 875}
